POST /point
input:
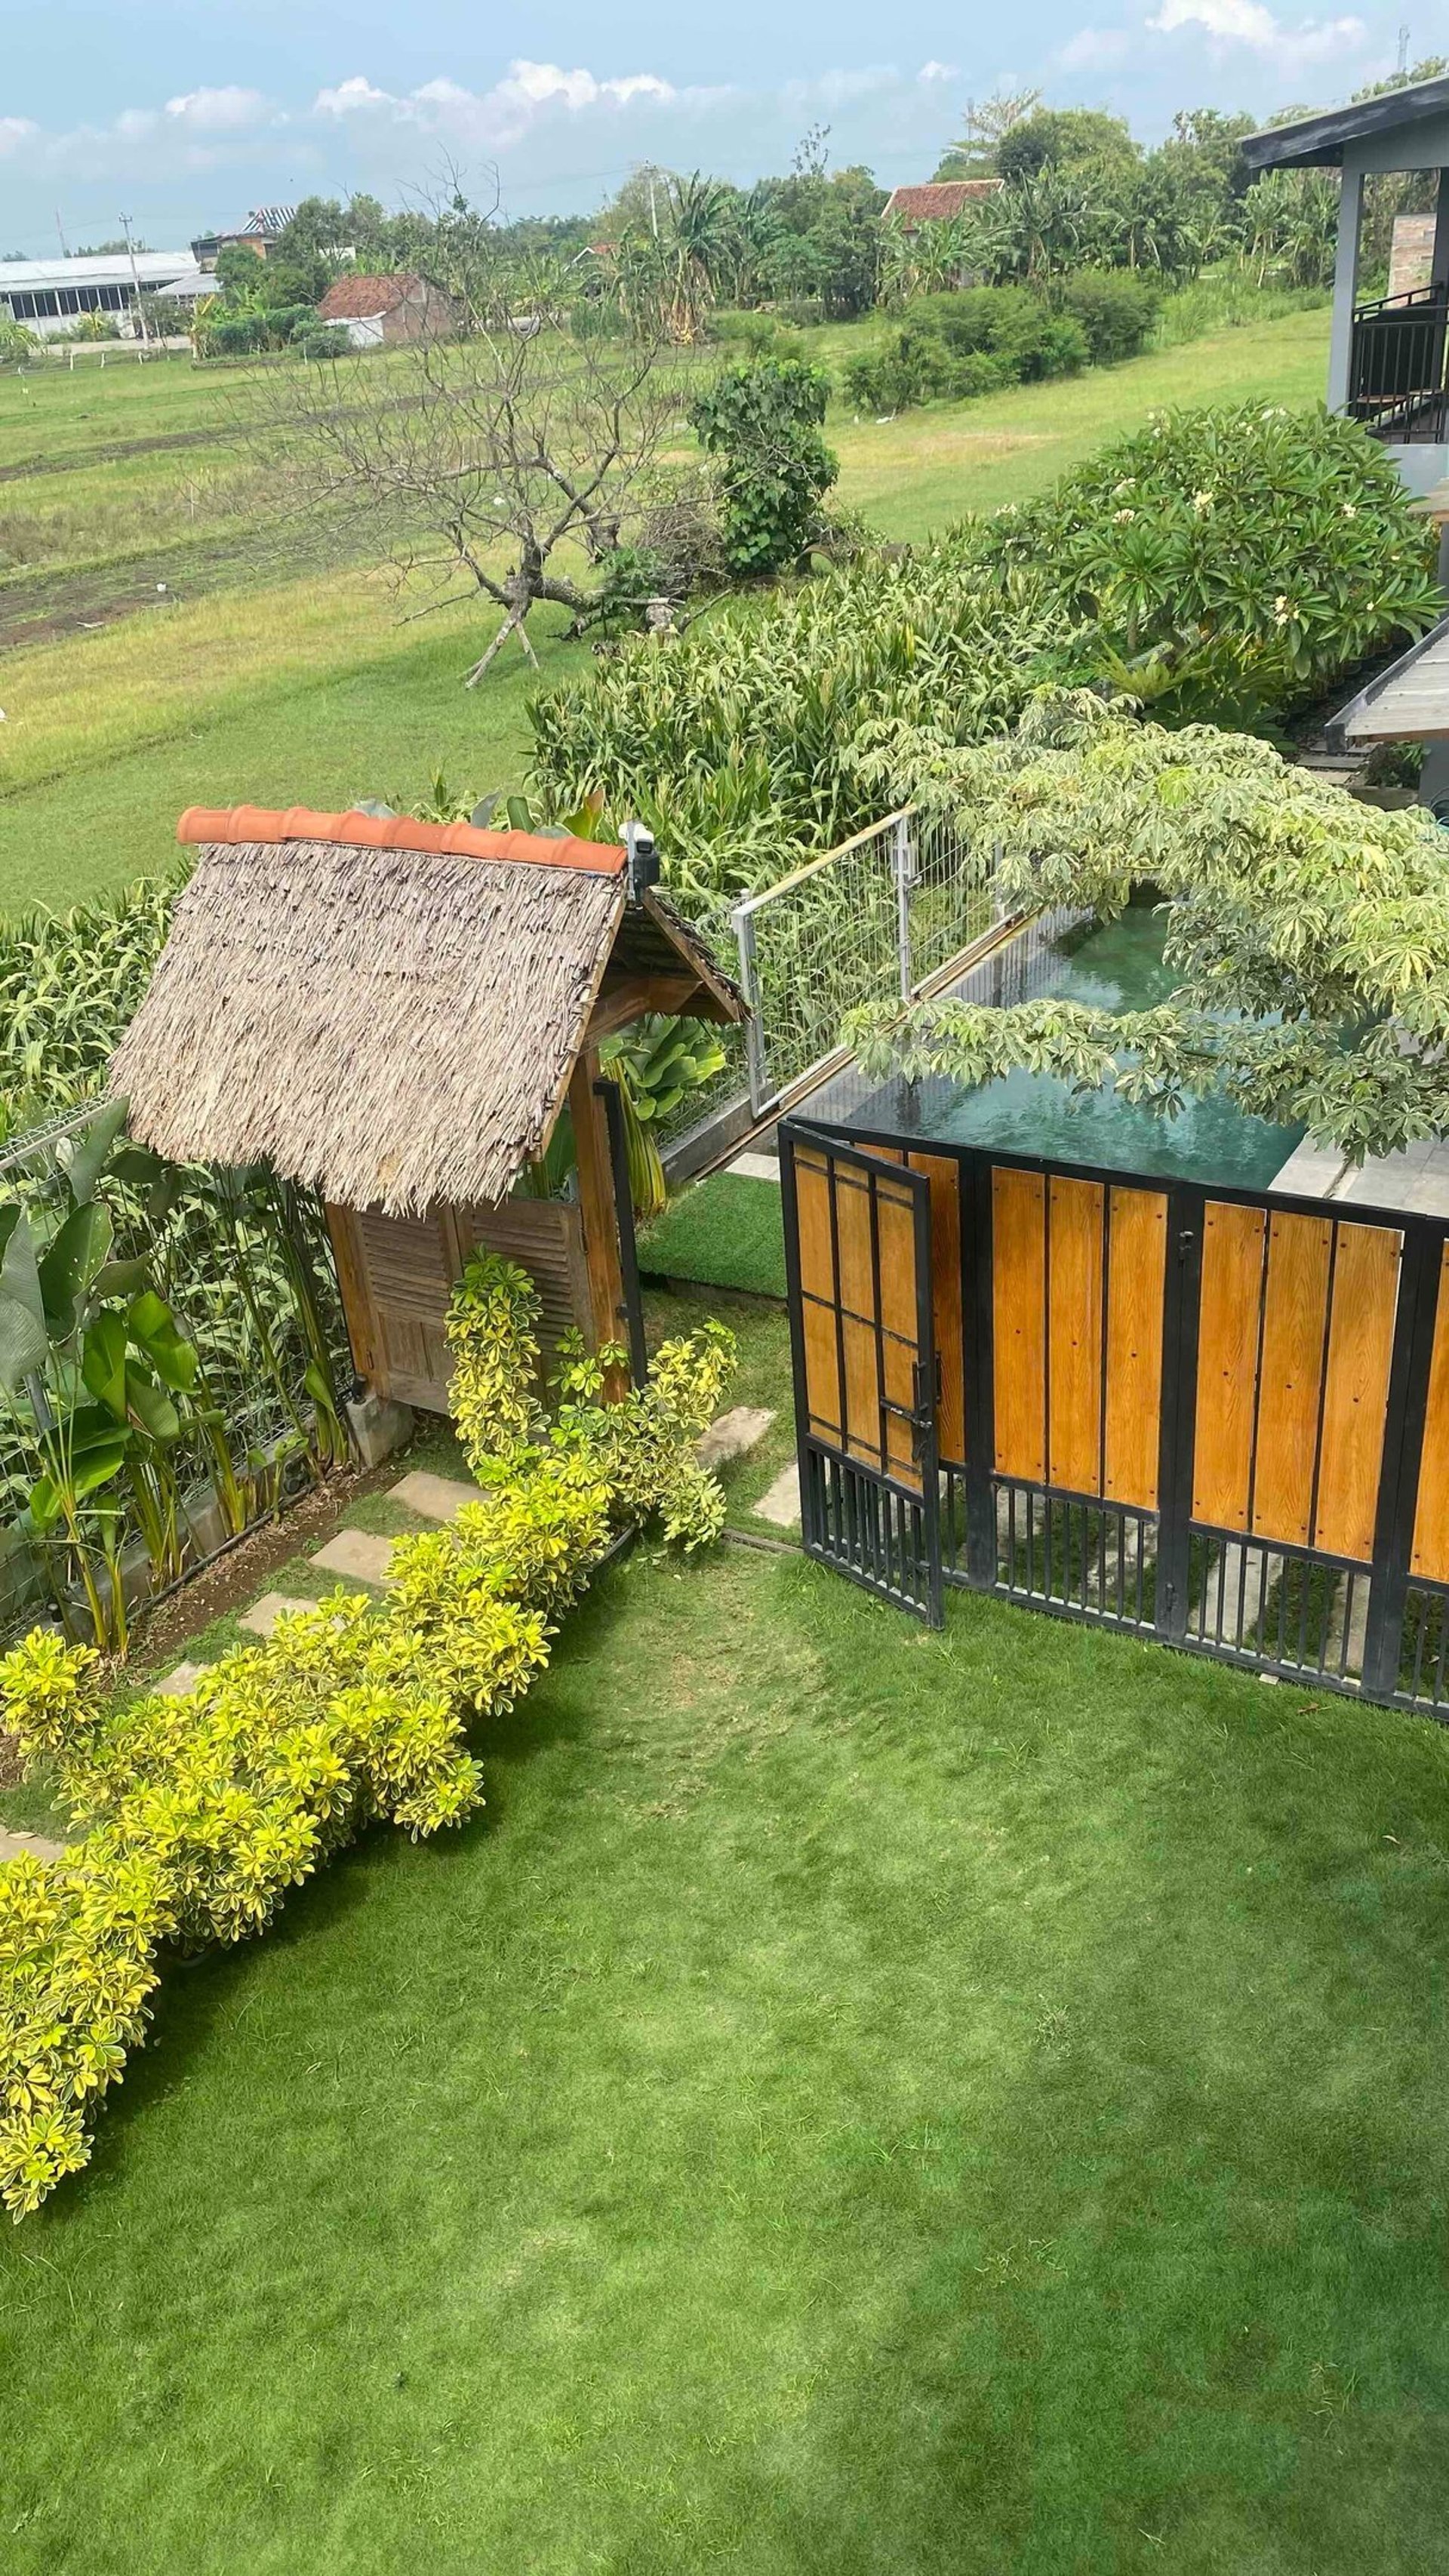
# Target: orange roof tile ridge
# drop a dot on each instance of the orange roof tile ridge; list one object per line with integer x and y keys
{"x": 235, "y": 823}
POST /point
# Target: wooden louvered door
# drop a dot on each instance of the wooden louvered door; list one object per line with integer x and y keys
{"x": 397, "y": 1274}
{"x": 858, "y": 1252}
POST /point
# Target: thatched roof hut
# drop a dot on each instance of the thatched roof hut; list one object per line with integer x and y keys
{"x": 394, "y": 1013}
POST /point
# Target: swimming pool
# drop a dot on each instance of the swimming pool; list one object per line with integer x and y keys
{"x": 1114, "y": 966}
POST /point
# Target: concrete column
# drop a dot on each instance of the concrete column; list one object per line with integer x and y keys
{"x": 1345, "y": 288}
{"x": 1439, "y": 264}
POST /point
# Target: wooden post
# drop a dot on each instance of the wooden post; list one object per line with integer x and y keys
{"x": 596, "y": 1203}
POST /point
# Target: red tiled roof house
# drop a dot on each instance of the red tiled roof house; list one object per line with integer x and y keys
{"x": 380, "y": 312}
{"x": 935, "y": 201}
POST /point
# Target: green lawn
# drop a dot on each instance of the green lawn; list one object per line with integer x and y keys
{"x": 310, "y": 692}
{"x": 725, "y": 1232}
{"x": 861, "y": 2102}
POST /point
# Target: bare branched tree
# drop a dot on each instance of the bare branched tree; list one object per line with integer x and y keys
{"x": 496, "y": 457}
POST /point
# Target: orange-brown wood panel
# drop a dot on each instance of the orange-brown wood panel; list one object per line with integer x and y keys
{"x": 1136, "y": 1285}
{"x": 862, "y": 1391}
{"x": 1227, "y": 1362}
{"x": 1366, "y": 1265}
{"x": 1431, "y": 1515}
{"x": 352, "y": 1280}
{"x": 817, "y": 1300}
{"x": 1074, "y": 1302}
{"x": 852, "y": 1227}
{"x": 946, "y": 1294}
{"x": 1018, "y": 1296}
{"x": 1294, "y": 1314}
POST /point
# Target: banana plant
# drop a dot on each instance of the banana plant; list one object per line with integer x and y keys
{"x": 101, "y": 1361}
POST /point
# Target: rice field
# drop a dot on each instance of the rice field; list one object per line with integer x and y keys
{"x": 249, "y": 678}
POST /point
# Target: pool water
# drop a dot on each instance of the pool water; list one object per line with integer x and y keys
{"x": 1113, "y": 966}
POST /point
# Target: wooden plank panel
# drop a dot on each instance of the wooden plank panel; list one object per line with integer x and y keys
{"x": 946, "y": 1300}
{"x": 1136, "y": 1286}
{"x": 812, "y": 1214}
{"x": 1074, "y": 1339}
{"x": 1292, "y": 1375}
{"x": 352, "y": 1280}
{"x": 1366, "y": 1266}
{"x": 899, "y": 1362}
{"x": 1018, "y": 1295}
{"x": 1227, "y": 1363}
{"x": 862, "y": 1392}
{"x": 896, "y": 1233}
{"x": 1431, "y": 1515}
{"x": 852, "y": 1226}
{"x": 822, "y": 1371}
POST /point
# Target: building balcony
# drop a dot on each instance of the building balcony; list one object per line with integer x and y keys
{"x": 1396, "y": 383}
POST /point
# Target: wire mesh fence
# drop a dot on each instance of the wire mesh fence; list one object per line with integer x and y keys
{"x": 876, "y": 919}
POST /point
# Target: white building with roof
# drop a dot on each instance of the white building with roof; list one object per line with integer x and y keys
{"x": 50, "y": 295}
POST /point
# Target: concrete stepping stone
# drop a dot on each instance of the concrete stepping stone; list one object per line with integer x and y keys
{"x": 780, "y": 1502}
{"x": 263, "y": 1615}
{"x": 13, "y": 1844}
{"x": 732, "y": 1434}
{"x": 176, "y": 1684}
{"x": 754, "y": 1167}
{"x": 433, "y": 1498}
{"x": 359, "y": 1554}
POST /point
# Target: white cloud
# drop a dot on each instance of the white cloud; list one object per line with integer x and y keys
{"x": 1093, "y": 45}
{"x": 15, "y": 131}
{"x": 218, "y": 111}
{"x": 501, "y": 115}
{"x": 939, "y": 72}
{"x": 1247, "y": 22}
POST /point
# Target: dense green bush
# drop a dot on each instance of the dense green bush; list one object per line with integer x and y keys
{"x": 1115, "y": 309}
{"x": 1227, "y": 564}
{"x": 762, "y": 421}
{"x": 948, "y": 347}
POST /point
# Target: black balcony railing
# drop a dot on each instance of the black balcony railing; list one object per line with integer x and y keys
{"x": 1396, "y": 381}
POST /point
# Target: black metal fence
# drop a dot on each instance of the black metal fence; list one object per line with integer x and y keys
{"x": 1233, "y": 1436}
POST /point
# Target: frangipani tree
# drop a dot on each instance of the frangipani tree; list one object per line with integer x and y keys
{"x": 1310, "y": 931}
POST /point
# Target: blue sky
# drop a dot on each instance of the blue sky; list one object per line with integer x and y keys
{"x": 184, "y": 116}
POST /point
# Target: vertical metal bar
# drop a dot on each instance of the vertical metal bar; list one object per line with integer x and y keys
{"x": 1409, "y": 1368}
{"x": 904, "y": 868}
{"x": 608, "y": 1092}
{"x": 977, "y": 1314}
{"x": 742, "y": 921}
{"x": 1182, "y": 1299}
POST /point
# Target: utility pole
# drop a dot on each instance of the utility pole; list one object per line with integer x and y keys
{"x": 60, "y": 228}
{"x": 135, "y": 277}
{"x": 1403, "y": 63}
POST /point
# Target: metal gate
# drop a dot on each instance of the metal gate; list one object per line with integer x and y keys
{"x": 1220, "y": 1417}
{"x": 858, "y": 1252}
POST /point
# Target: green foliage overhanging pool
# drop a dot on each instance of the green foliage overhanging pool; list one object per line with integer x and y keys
{"x": 1114, "y": 966}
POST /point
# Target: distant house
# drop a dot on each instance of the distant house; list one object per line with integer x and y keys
{"x": 50, "y": 295}
{"x": 935, "y": 201}
{"x": 381, "y": 312}
{"x": 259, "y": 233}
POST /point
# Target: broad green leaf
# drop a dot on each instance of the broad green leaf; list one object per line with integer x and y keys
{"x": 103, "y": 1363}
{"x": 89, "y": 1151}
{"x": 69, "y": 1268}
{"x": 24, "y": 1342}
{"x": 151, "y": 1406}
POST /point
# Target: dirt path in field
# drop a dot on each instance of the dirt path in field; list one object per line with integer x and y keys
{"x": 76, "y": 459}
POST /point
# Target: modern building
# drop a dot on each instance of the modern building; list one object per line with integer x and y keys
{"x": 259, "y": 233}
{"x": 380, "y": 312}
{"x": 50, "y": 295}
{"x": 1386, "y": 363}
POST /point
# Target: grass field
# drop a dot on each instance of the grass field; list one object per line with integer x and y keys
{"x": 861, "y": 2103}
{"x": 308, "y": 690}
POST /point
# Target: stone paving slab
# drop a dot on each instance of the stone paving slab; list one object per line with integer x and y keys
{"x": 780, "y": 1502}
{"x": 433, "y": 1498}
{"x": 12, "y": 1845}
{"x": 176, "y": 1684}
{"x": 732, "y": 1434}
{"x": 359, "y": 1554}
{"x": 263, "y": 1615}
{"x": 754, "y": 1167}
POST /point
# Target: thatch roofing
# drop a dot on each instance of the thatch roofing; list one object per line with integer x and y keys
{"x": 388, "y": 1011}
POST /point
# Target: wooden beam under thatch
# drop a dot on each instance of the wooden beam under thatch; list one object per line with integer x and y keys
{"x": 394, "y": 1024}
